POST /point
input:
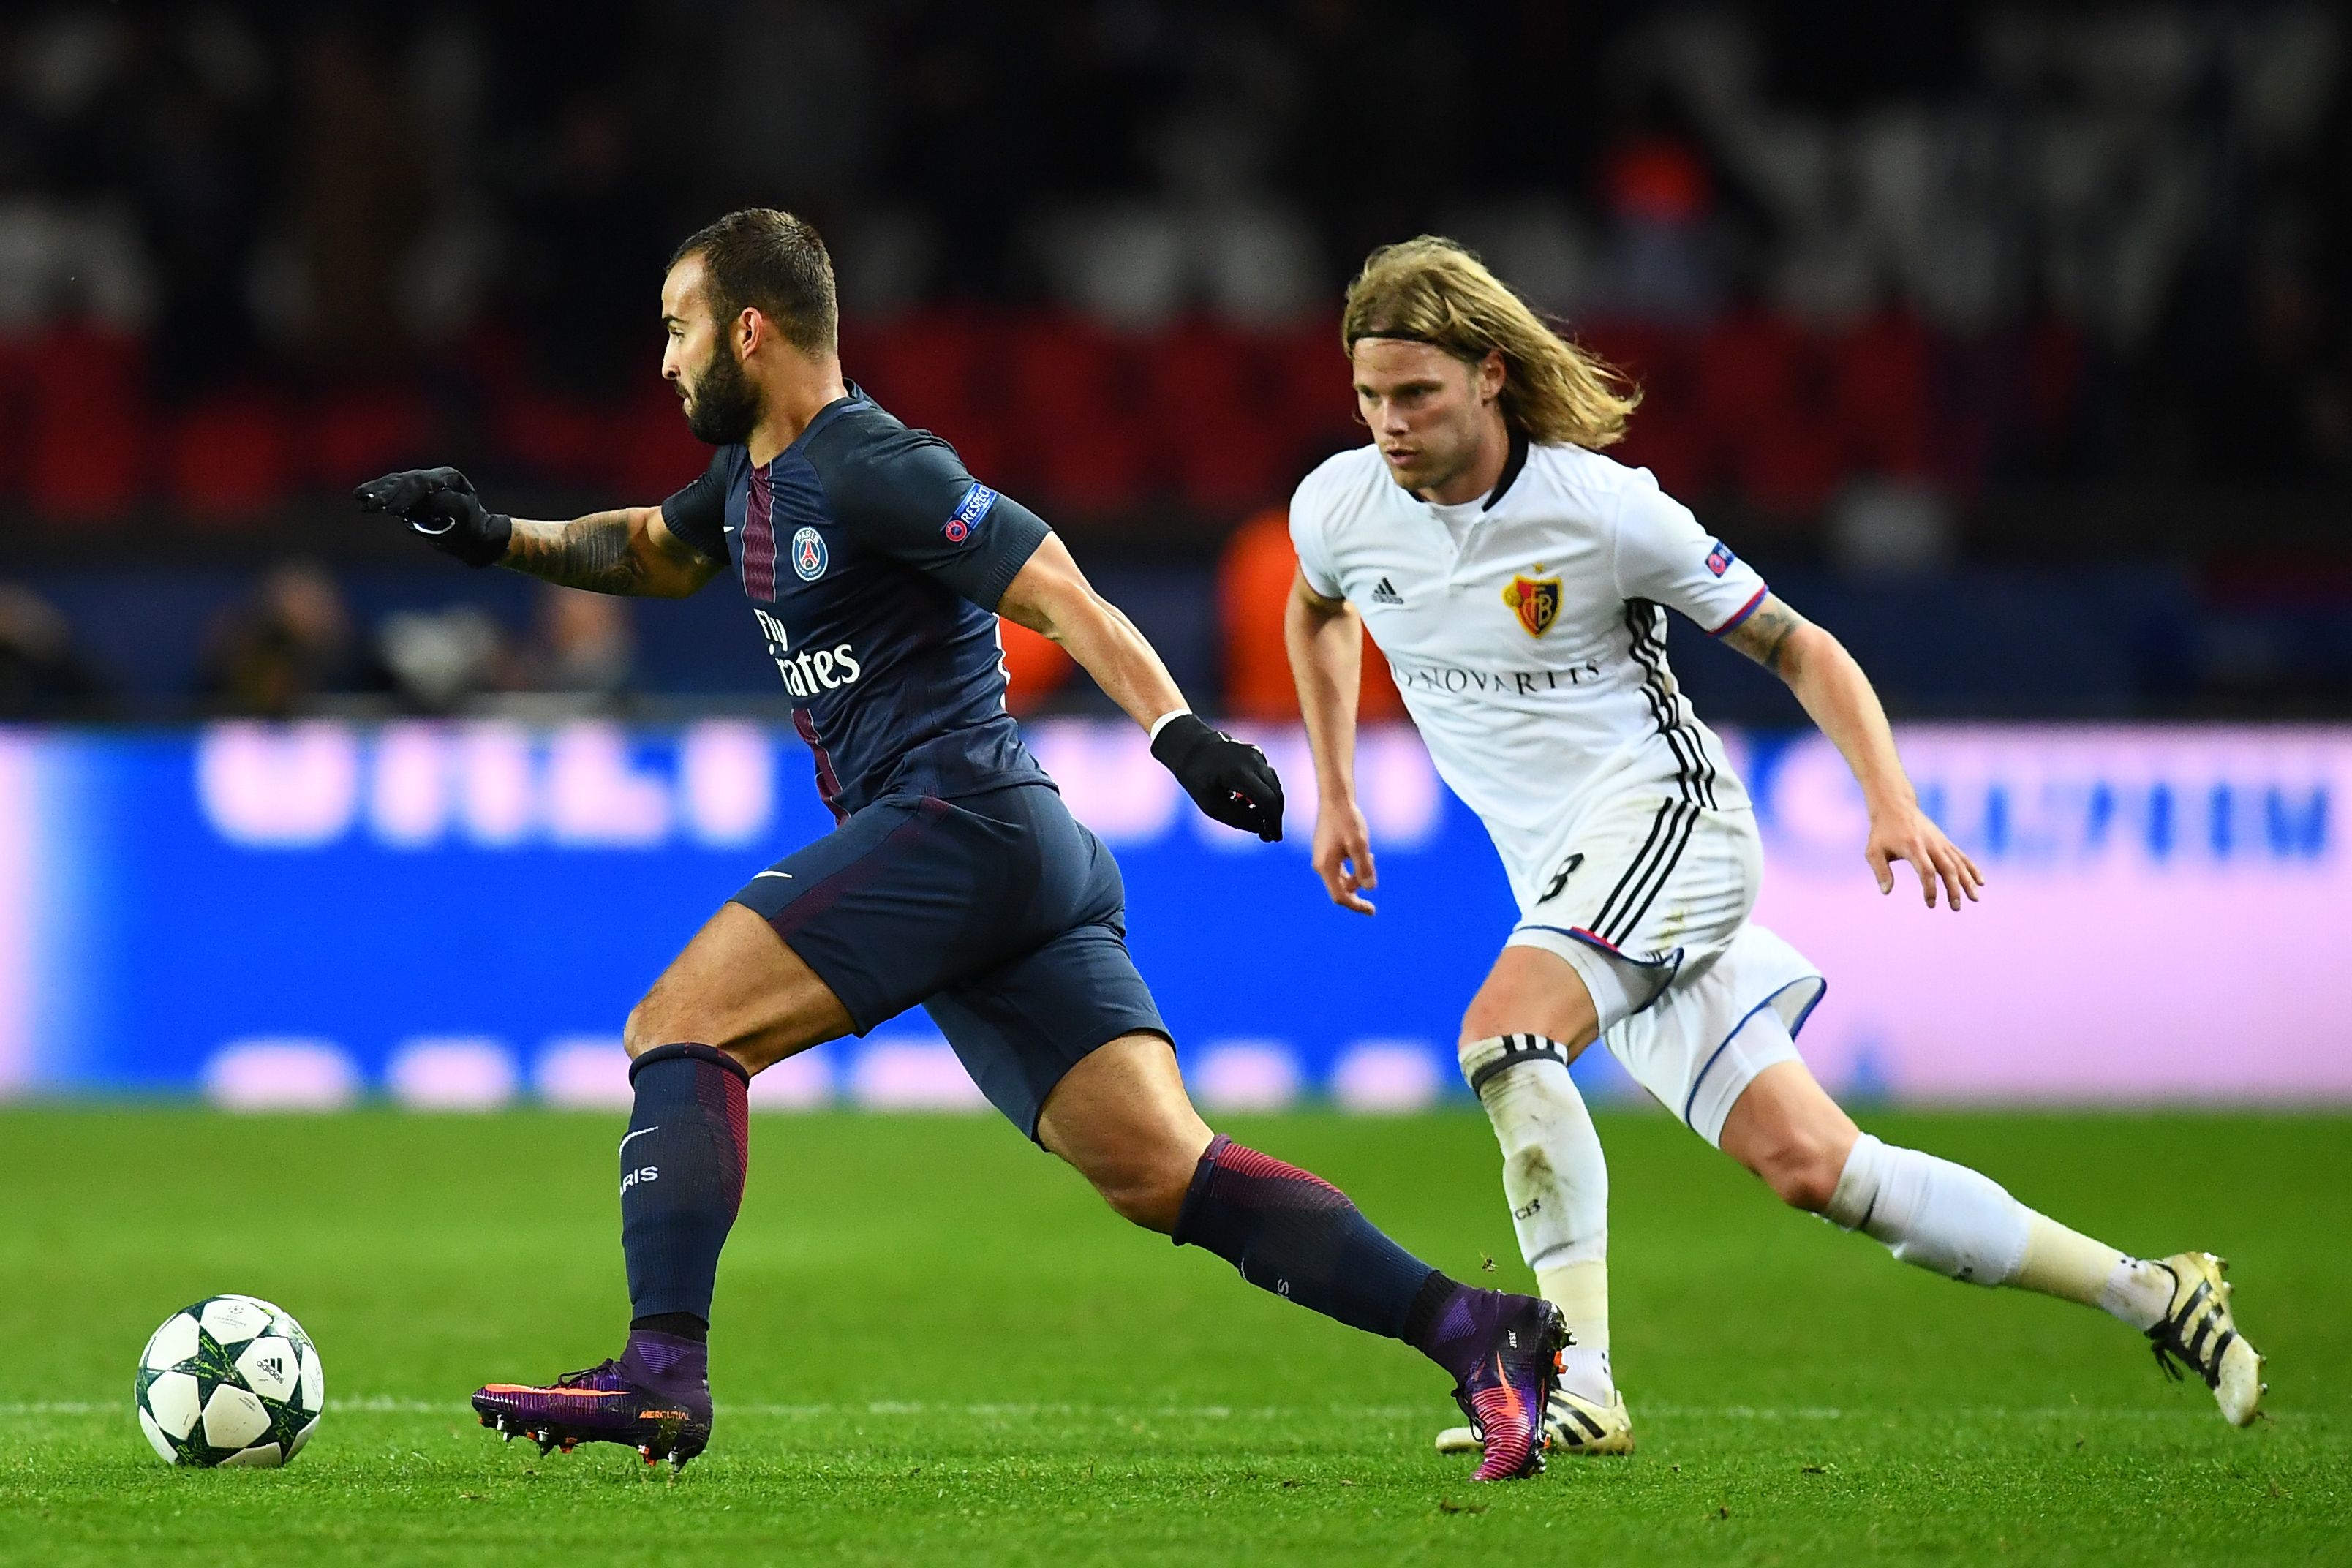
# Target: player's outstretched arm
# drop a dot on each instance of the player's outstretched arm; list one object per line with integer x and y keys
{"x": 1838, "y": 697}
{"x": 629, "y": 551}
{"x": 1229, "y": 779}
{"x": 1325, "y": 639}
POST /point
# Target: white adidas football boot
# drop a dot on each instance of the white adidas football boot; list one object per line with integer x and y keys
{"x": 2199, "y": 1330}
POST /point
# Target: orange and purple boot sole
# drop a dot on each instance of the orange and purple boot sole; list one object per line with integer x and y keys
{"x": 1506, "y": 1398}
{"x": 601, "y": 1405}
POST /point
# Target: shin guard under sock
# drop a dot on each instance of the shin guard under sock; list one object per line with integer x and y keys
{"x": 1556, "y": 1181}
{"x": 682, "y": 1166}
{"x": 1298, "y": 1235}
{"x": 1930, "y": 1213}
{"x": 1950, "y": 1219}
{"x": 1554, "y": 1172}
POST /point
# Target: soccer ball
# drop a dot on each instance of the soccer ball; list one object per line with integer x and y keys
{"x": 230, "y": 1380}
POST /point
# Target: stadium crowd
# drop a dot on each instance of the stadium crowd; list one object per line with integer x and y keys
{"x": 1912, "y": 292}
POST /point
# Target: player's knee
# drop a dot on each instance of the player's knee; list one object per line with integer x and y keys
{"x": 641, "y": 1031}
{"x": 654, "y": 1021}
{"x": 1530, "y": 992}
{"x": 1792, "y": 1135}
{"x": 1809, "y": 1186}
{"x": 1144, "y": 1187}
{"x": 1141, "y": 1196}
{"x": 1802, "y": 1170}
{"x": 1500, "y": 1011}
{"x": 1480, "y": 1021}
{"x": 1800, "y": 1161}
{"x": 1151, "y": 1201}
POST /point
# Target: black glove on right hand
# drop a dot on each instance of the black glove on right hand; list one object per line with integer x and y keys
{"x": 1229, "y": 779}
{"x": 440, "y": 504}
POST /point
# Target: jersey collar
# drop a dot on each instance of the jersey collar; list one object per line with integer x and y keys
{"x": 1512, "y": 464}
{"x": 1511, "y": 467}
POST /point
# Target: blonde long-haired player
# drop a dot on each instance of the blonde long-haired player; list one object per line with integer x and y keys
{"x": 1518, "y": 580}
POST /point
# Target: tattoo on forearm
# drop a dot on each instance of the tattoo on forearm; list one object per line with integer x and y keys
{"x": 593, "y": 552}
{"x": 1763, "y": 635}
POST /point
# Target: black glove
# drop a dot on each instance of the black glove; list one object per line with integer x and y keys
{"x": 1229, "y": 779}
{"x": 440, "y": 504}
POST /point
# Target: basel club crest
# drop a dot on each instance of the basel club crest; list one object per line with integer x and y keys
{"x": 1536, "y": 601}
{"x": 808, "y": 555}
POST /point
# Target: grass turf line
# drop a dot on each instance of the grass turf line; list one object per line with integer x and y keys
{"x": 933, "y": 1345}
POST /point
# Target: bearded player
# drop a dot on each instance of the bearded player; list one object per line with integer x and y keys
{"x": 1518, "y": 581}
{"x": 955, "y": 878}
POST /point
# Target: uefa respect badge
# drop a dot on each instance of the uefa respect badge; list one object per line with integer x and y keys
{"x": 968, "y": 512}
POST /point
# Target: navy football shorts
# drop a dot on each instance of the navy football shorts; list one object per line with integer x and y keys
{"x": 1001, "y": 913}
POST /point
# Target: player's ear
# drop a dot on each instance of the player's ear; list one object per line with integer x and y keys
{"x": 1490, "y": 375}
{"x": 750, "y": 327}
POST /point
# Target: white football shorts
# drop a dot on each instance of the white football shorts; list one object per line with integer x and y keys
{"x": 1647, "y": 898}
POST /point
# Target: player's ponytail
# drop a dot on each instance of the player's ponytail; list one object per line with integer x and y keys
{"x": 1432, "y": 290}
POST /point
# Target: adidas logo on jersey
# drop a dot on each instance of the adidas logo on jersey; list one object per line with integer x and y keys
{"x": 1386, "y": 593}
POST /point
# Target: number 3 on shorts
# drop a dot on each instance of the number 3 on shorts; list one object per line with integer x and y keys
{"x": 1559, "y": 879}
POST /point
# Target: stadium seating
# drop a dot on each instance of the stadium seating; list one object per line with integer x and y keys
{"x": 85, "y": 463}
{"x": 1086, "y": 447}
{"x": 938, "y": 370}
{"x": 1200, "y": 419}
{"x": 231, "y": 461}
{"x": 654, "y": 453}
{"x": 1223, "y": 437}
{"x": 364, "y": 431}
{"x": 1878, "y": 393}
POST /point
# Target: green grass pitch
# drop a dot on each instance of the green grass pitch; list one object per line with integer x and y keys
{"x": 934, "y": 1346}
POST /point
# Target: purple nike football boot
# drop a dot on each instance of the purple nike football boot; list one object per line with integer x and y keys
{"x": 1518, "y": 1367}
{"x": 657, "y": 1405}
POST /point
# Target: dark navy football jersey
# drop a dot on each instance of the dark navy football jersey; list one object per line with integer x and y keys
{"x": 874, "y": 563}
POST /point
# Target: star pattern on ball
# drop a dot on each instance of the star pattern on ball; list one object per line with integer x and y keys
{"x": 230, "y": 1380}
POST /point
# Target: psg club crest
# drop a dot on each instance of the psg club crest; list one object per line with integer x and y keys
{"x": 808, "y": 555}
{"x": 1536, "y": 602}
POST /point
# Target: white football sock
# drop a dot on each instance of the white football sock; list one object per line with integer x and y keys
{"x": 1557, "y": 1179}
{"x": 2069, "y": 1265}
{"x": 1934, "y": 1214}
{"x": 1950, "y": 1219}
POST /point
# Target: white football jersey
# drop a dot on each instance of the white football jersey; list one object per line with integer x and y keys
{"x": 1527, "y": 633}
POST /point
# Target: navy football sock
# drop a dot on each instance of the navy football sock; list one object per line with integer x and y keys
{"x": 682, "y": 1167}
{"x": 1298, "y": 1235}
{"x": 677, "y": 1325}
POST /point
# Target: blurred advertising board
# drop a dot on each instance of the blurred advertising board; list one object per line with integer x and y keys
{"x": 458, "y": 915}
